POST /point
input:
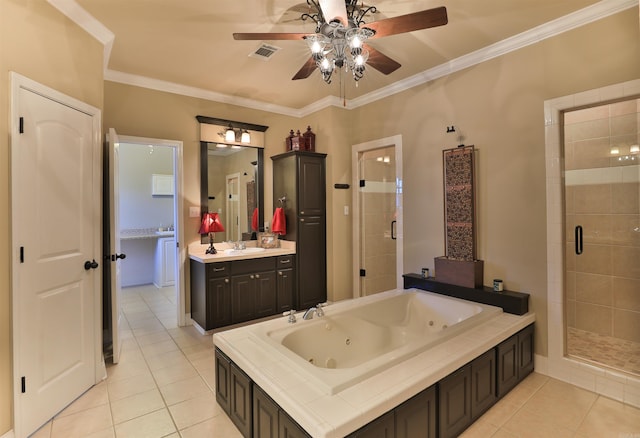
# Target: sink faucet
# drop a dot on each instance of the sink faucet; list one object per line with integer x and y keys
{"x": 239, "y": 245}
{"x": 317, "y": 309}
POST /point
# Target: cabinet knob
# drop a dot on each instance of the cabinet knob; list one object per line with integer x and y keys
{"x": 279, "y": 272}
{"x": 302, "y": 212}
{"x": 257, "y": 275}
{"x": 226, "y": 280}
{"x": 252, "y": 276}
{"x": 301, "y": 219}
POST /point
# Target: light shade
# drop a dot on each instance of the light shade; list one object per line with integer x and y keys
{"x": 230, "y": 135}
{"x": 245, "y": 137}
{"x": 211, "y": 223}
{"x": 634, "y": 149}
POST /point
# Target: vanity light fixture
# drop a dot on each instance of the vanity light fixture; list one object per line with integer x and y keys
{"x": 230, "y": 134}
{"x": 245, "y": 137}
{"x": 634, "y": 149}
{"x": 210, "y": 225}
{"x": 614, "y": 151}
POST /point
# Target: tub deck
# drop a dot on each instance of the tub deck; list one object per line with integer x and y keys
{"x": 337, "y": 415}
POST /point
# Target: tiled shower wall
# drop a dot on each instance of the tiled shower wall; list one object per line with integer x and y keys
{"x": 602, "y": 194}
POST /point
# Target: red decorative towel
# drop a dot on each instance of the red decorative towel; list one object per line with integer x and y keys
{"x": 254, "y": 220}
{"x": 279, "y": 223}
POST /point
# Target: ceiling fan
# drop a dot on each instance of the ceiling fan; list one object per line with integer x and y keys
{"x": 340, "y": 33}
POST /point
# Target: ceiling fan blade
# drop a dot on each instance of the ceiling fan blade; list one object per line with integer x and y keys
{"x": 306, "y": 70}
{"x": 334, "y": 10}
{"x": 409, "y": 22}
{"x": 269, "y": 36}
{"x": 380, "y": 61}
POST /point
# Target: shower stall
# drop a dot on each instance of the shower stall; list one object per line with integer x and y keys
{"x": 601, "y": 197}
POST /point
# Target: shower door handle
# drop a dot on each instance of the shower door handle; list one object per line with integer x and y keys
{"x": 578, "y": 239}
{"x": 393, "y": 229}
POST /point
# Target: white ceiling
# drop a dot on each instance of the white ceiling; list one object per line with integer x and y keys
{"x": 187, "y": 46}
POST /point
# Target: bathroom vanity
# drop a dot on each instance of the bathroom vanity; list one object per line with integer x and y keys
{"x": 235, "y": 286}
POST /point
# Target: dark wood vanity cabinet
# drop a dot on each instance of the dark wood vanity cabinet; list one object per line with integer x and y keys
{"x": 269, "y": 421}
{"x": 226, "y": 293}
{"x": 299, "y": 179}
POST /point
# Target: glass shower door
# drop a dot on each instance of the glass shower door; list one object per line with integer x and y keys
{"x": 602, "y": 217}
{"x": 378, "y": 225}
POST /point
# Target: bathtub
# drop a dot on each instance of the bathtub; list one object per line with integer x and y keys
{"x": 359, "y": 338}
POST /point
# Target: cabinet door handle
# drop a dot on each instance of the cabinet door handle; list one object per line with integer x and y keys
{"x": 285, "y": 261}
{"x": 218, "y": 269}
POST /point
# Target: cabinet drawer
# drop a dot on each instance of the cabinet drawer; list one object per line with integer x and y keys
{"x": 287, "y": 261}
{"x": 253, "y": 265}
{"x": 221, "y": 269}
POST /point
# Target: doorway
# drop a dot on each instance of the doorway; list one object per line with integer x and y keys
{"x": 150, "y": 175}
{"x": 377, "y": 216}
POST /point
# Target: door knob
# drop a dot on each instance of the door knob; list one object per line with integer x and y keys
{"x": 90, "y": 264}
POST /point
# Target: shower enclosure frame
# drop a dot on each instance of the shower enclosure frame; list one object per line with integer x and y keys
{"x": 617, "y": 385}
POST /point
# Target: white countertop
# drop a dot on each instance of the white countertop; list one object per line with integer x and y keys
{"x": 145, "y": 233}
{"x": 329, "y": 416}
{"x": 197, "y": 251}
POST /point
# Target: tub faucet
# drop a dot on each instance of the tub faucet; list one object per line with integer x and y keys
{"x": 317, "y": 309}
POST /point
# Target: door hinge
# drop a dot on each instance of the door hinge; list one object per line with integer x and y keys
{"x": 22, "y": 254}
{"x": 21, "y": 128}
{"x": 362, "y": 182}
{"x": 23, "y": 384}
{"x": 363, "y": 273}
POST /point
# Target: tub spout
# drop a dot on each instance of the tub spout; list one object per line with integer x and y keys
{"x": 317, "y": 309}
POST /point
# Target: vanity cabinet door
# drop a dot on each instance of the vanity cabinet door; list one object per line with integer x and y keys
{"x": 241, "y": 401}
{"x": 455, "y": 402}
{"x": 483, "y": 383}
{"x": 416, "y": 418}
{"x": 218, "y": 303}
{"x": 312, "y": 261}
{"x": 525, "y": 352}
{"x": 265, "y": 294}
{"x": 242, "y": 298}
{"x": 265, "y": 415}
{"x": 311, "y": 195}
{"x": 288, "y": 428}
{"x": 507, "y": 374}
{"x": 285, "y": 279}
{"x": 381, "y": 427}
{"x": 223, "y": 381}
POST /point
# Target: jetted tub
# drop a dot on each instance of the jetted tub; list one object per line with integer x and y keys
{"x": 358, "y": 339}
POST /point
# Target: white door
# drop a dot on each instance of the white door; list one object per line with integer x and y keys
{"x": 56, "y": 268}
{"x": 114, "y": 243}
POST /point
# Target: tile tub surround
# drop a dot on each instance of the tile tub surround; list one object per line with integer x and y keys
{"x": 337, "y": 415}
{"x": 197, "y": 251}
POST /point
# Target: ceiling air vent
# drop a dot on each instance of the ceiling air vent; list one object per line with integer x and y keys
{"x": 264, "y": 52}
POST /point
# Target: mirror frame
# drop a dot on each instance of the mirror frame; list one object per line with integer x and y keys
{"x": 204, "y": 168}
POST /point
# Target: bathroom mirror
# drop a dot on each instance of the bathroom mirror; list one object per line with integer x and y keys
{"x": 231, "y": 179}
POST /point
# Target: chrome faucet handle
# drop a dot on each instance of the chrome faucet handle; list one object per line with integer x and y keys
{"x": 292, "y": 316}
{"x": 319, "y": 310}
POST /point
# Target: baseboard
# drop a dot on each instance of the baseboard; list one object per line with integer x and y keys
{"x": 8, "y": 435}
{"x": 541, "y": 364}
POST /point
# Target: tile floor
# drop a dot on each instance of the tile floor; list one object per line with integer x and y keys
{"x": 163, "y": 387}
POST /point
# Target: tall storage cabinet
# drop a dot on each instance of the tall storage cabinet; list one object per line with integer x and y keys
{"x": 299, "y": 181}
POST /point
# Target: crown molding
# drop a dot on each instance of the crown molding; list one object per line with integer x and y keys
{"x": 584, "y": 16}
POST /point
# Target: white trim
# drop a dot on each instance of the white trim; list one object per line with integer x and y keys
{"x": 19, "y": 82}
{"x": 584, "y": 16}
{"x": 356, "y": 149}
{"x": 178, "y": 169}
{"x": 619, "y": 386}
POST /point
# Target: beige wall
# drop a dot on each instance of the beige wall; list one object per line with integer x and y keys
{"x": 498, "y": 105}
{"x": 39, "y": 43}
